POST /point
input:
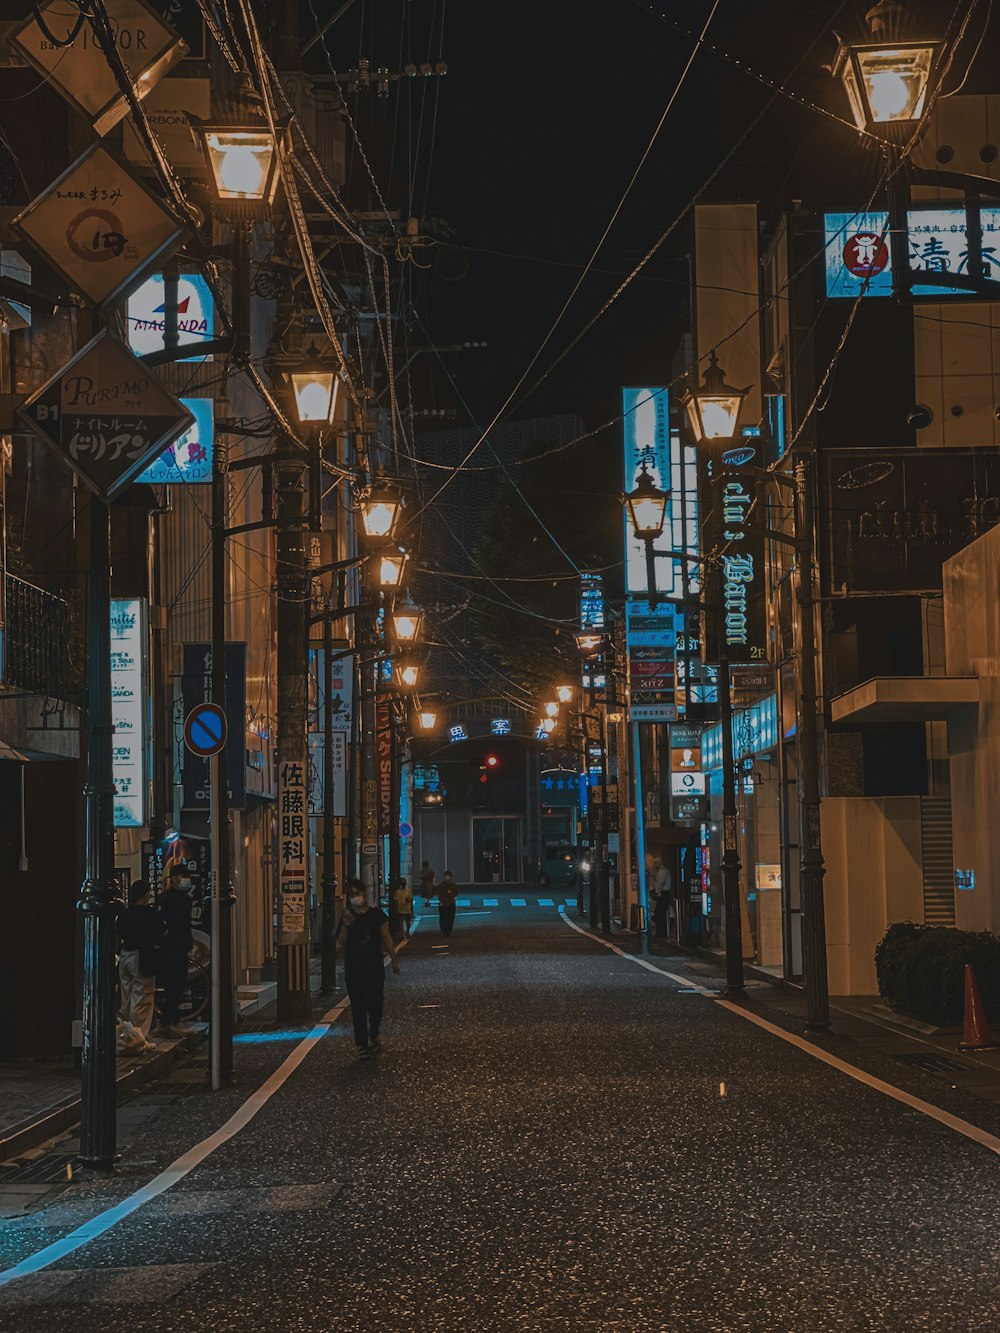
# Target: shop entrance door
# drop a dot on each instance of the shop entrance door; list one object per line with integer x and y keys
{"x": 496, "y": 849}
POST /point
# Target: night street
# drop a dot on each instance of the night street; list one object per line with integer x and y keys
{"x": 543, "y": 1144}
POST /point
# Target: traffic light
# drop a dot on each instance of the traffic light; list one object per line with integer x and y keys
{"x": 491, "y": 762}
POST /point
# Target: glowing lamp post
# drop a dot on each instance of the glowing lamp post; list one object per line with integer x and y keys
{"x": 407, "y": 620}
{"x": 714, "y": 408}
{"x": 646, "y": 507}
{"x": 314, "y": 386}
{"x": 407, "y": 675}
{"x": 886, "y": 79}
{"x": 380, "y": 509}
{"x": 242, "y": 157}
{"x": 564, "y": 693}
{"x": 391, "y": 565}
{"x": 427, "y": 719}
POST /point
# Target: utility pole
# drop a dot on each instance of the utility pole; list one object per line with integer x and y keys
{"x": 329, "y": 954}
{"x": 223, "y": 900}
{"x": 99, "y": 901}
{"x": 811, "y": 868}
{"x": 294, "y": 999}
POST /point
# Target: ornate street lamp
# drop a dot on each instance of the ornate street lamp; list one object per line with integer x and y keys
{"x": 552, "y": 709}
{"x": 589, "y": 645}
{"x": 714, "y": 408}
{"x": 242, "y": 155}
{"x": 547, "y": 725}
{"x": 380, "y": 508}
{"x": 314, "y": 385}
{"x": 564, "y": 693}
{"x": 646, "y": 507}
{"x": 427, "y": 718}
{"x": 406, "y": 622}
{"x": 407, "y": 675}
{"x": 391, "y": 565}
{"x": 887, "y": 78}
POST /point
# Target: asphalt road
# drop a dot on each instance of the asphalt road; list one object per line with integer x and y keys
{"x": 554, "y": 1138}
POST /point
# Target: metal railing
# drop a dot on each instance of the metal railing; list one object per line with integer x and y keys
{"x": 36, "y": 641}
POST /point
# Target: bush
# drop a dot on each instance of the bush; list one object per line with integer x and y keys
{"x": 921, "y": 970}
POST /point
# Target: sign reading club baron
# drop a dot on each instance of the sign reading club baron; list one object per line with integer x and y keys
{"x": 107, "y": 414}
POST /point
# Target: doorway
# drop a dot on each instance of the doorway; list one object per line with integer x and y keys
{"x": 496, "y": 849}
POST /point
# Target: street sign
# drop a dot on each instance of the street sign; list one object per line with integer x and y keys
{"x": 100, "y": 227}
{"x": 79, "y": 69}
{"x": 652, "y": 713}
{"x": 205, "y": 730}
{"x": 405, "y": 830}
{"x": 169, "y": 109}
{"x": 107, "y": 414}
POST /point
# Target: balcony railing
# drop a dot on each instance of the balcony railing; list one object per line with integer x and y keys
{"x": 36, "y": 641}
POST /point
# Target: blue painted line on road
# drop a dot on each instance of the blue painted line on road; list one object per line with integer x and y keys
{"x": 463, "y": 902}
{"x": 491, "y": 902}
{"x": 518, "y": 902}
{"x": 546, "y": 902}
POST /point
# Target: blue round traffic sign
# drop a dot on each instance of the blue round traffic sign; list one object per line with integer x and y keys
{"x": 405, "y": 830}
{"x": 205, "y": 730}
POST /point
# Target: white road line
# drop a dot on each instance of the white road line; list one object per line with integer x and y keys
{"x": 182, "y": 1165}
{"x": 963, "y": 1127}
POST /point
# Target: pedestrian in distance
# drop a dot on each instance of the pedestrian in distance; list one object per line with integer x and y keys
{"x": 141, "y": 932}
{"x": 427, "y": 882}
{"x": 403, "y": 898}
{"x": 366, "y": 936}
{"x": 447, "y": 893}
{"x": 172, "y": 965}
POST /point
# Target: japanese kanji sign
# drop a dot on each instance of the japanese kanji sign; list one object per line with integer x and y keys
{"x": 107, "y": 414}
{"x": 293, "y": 852}
{"x": 100, "y": 227}
{"x": 80, "y": 70}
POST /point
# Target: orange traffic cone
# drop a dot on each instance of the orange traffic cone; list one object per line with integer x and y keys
{"x": 976, "y": 1036}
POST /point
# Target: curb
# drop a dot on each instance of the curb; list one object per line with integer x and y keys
{"x": 29, "y": 1133}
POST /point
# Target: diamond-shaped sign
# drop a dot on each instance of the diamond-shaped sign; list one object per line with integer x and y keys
{"x": 107, "y": 414}
{"x": 80, "y": 70}
{"x": 100, "y": 227}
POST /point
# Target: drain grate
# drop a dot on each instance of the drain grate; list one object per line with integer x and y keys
{"x": 49, "y": 1169}
{"x": 933, "y": 1064}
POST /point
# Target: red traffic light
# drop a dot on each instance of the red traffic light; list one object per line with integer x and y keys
{"x": 492, "y": 761}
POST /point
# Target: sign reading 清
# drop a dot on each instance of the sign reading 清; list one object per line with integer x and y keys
{"x": 188, "y": 461}
{"x": 107, "y": 414}
{"x": 76, "y": 65}
{"x": 128, "y": 710}
{"x": 859, "y": 250}
{"x": 147, "y": 311}
{"x": 100, "y": 227}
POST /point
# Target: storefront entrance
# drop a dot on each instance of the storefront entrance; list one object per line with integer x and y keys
{"x": 496, "y": 849}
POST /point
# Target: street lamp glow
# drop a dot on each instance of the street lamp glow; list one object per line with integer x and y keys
{"x": 588, "y": 644}
{"x": 427, "y": 719}
{"x": 548, "y": 725}
{"x": 714, "y": 408}
{"x": 886, "y": 79}
{"x": 564, "y": 693}
{"x": 315, "y": 384}
{"x": 380, "y": 509}
{"x": 646, "y": 507}
{"x": 406, "y": 622}
{"x": 390, "y": 569}
{"x": 551, "y": 709}
{"x": 407, "y": 675}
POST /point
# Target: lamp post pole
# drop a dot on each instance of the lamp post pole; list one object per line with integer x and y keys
{"x": 329, "y": 954}
{"x": 223, "y": 901}
{"x": 99, "y": 900}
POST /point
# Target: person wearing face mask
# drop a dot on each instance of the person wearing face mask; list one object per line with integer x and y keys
{"x": 366, "y": 937}
{"x": 171, "y": 969}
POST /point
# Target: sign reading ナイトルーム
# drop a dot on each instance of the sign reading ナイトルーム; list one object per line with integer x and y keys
{"x": 107, "y": 414}
{"x": 76, "y": 65}
{"x": 100, "y": 227}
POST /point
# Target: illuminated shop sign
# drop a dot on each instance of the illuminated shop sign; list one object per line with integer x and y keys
{"x": 128, "y": 710}
{"x": 859, "y": 248}
{"x": 591, "y": 601}
{"x": 147, "y": 310}
{"x": 188, "y": 461}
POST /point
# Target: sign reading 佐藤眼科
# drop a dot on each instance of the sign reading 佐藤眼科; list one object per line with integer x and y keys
{"x": 100, "y": 227}
{"x": 76, "y": 65}
{"x": 107, "y": 414}
{"x": 293, "y": 852}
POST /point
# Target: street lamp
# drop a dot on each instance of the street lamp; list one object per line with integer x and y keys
{"x": 886, "y": 79}
{"x": 647, "y": 510}
{"x": 242, "y": 155}
{"x": 314, "y": 385}
{"x": 714, "y": 408}
{"x": 548, "y": 725}
{"x": 552, "y": 709}
{"x": 407, "y": 675}
{"x": 406, "y": 622}
{"x": 380, "y": 508}
{"x": 564, "y": 693}
{"x": 427, "y": 718}
{"x": 391, "y": 565}
{"x": 589, "y": 644}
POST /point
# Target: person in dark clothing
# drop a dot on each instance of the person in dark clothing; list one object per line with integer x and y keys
{"x": 427, "y": 882}
{"x": 366, "y": 935}
{"x": 171, "y": 971}
{"x": 447, "y": 893}
{"x": 140, "y": 931}
{"x": 660, "y": 914}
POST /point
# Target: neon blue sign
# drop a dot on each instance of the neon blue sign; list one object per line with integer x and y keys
{"x": 188, "y": 461}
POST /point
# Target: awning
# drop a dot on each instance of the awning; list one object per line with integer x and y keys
{"x": 8, "y": 752}
{"x": 890, "y": 700}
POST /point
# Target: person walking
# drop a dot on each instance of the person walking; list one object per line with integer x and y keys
{"x": 427, "y": 882}
{"x": 171, "y": 970}
{"x": 403, "y": 899}
{"x": 366, "y": 935}
{"x": 140, "y": 932}
{"x": 447, "y": 893}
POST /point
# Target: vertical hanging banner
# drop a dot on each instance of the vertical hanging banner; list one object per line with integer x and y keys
{"x": 383, "y": 750}
{"x": 646, "y": 444}
{"x": 732, "y": 528}
{"x": 293, "y": 852}
{"x": 128, "y": 710}
{"x": 196, "y": 688}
